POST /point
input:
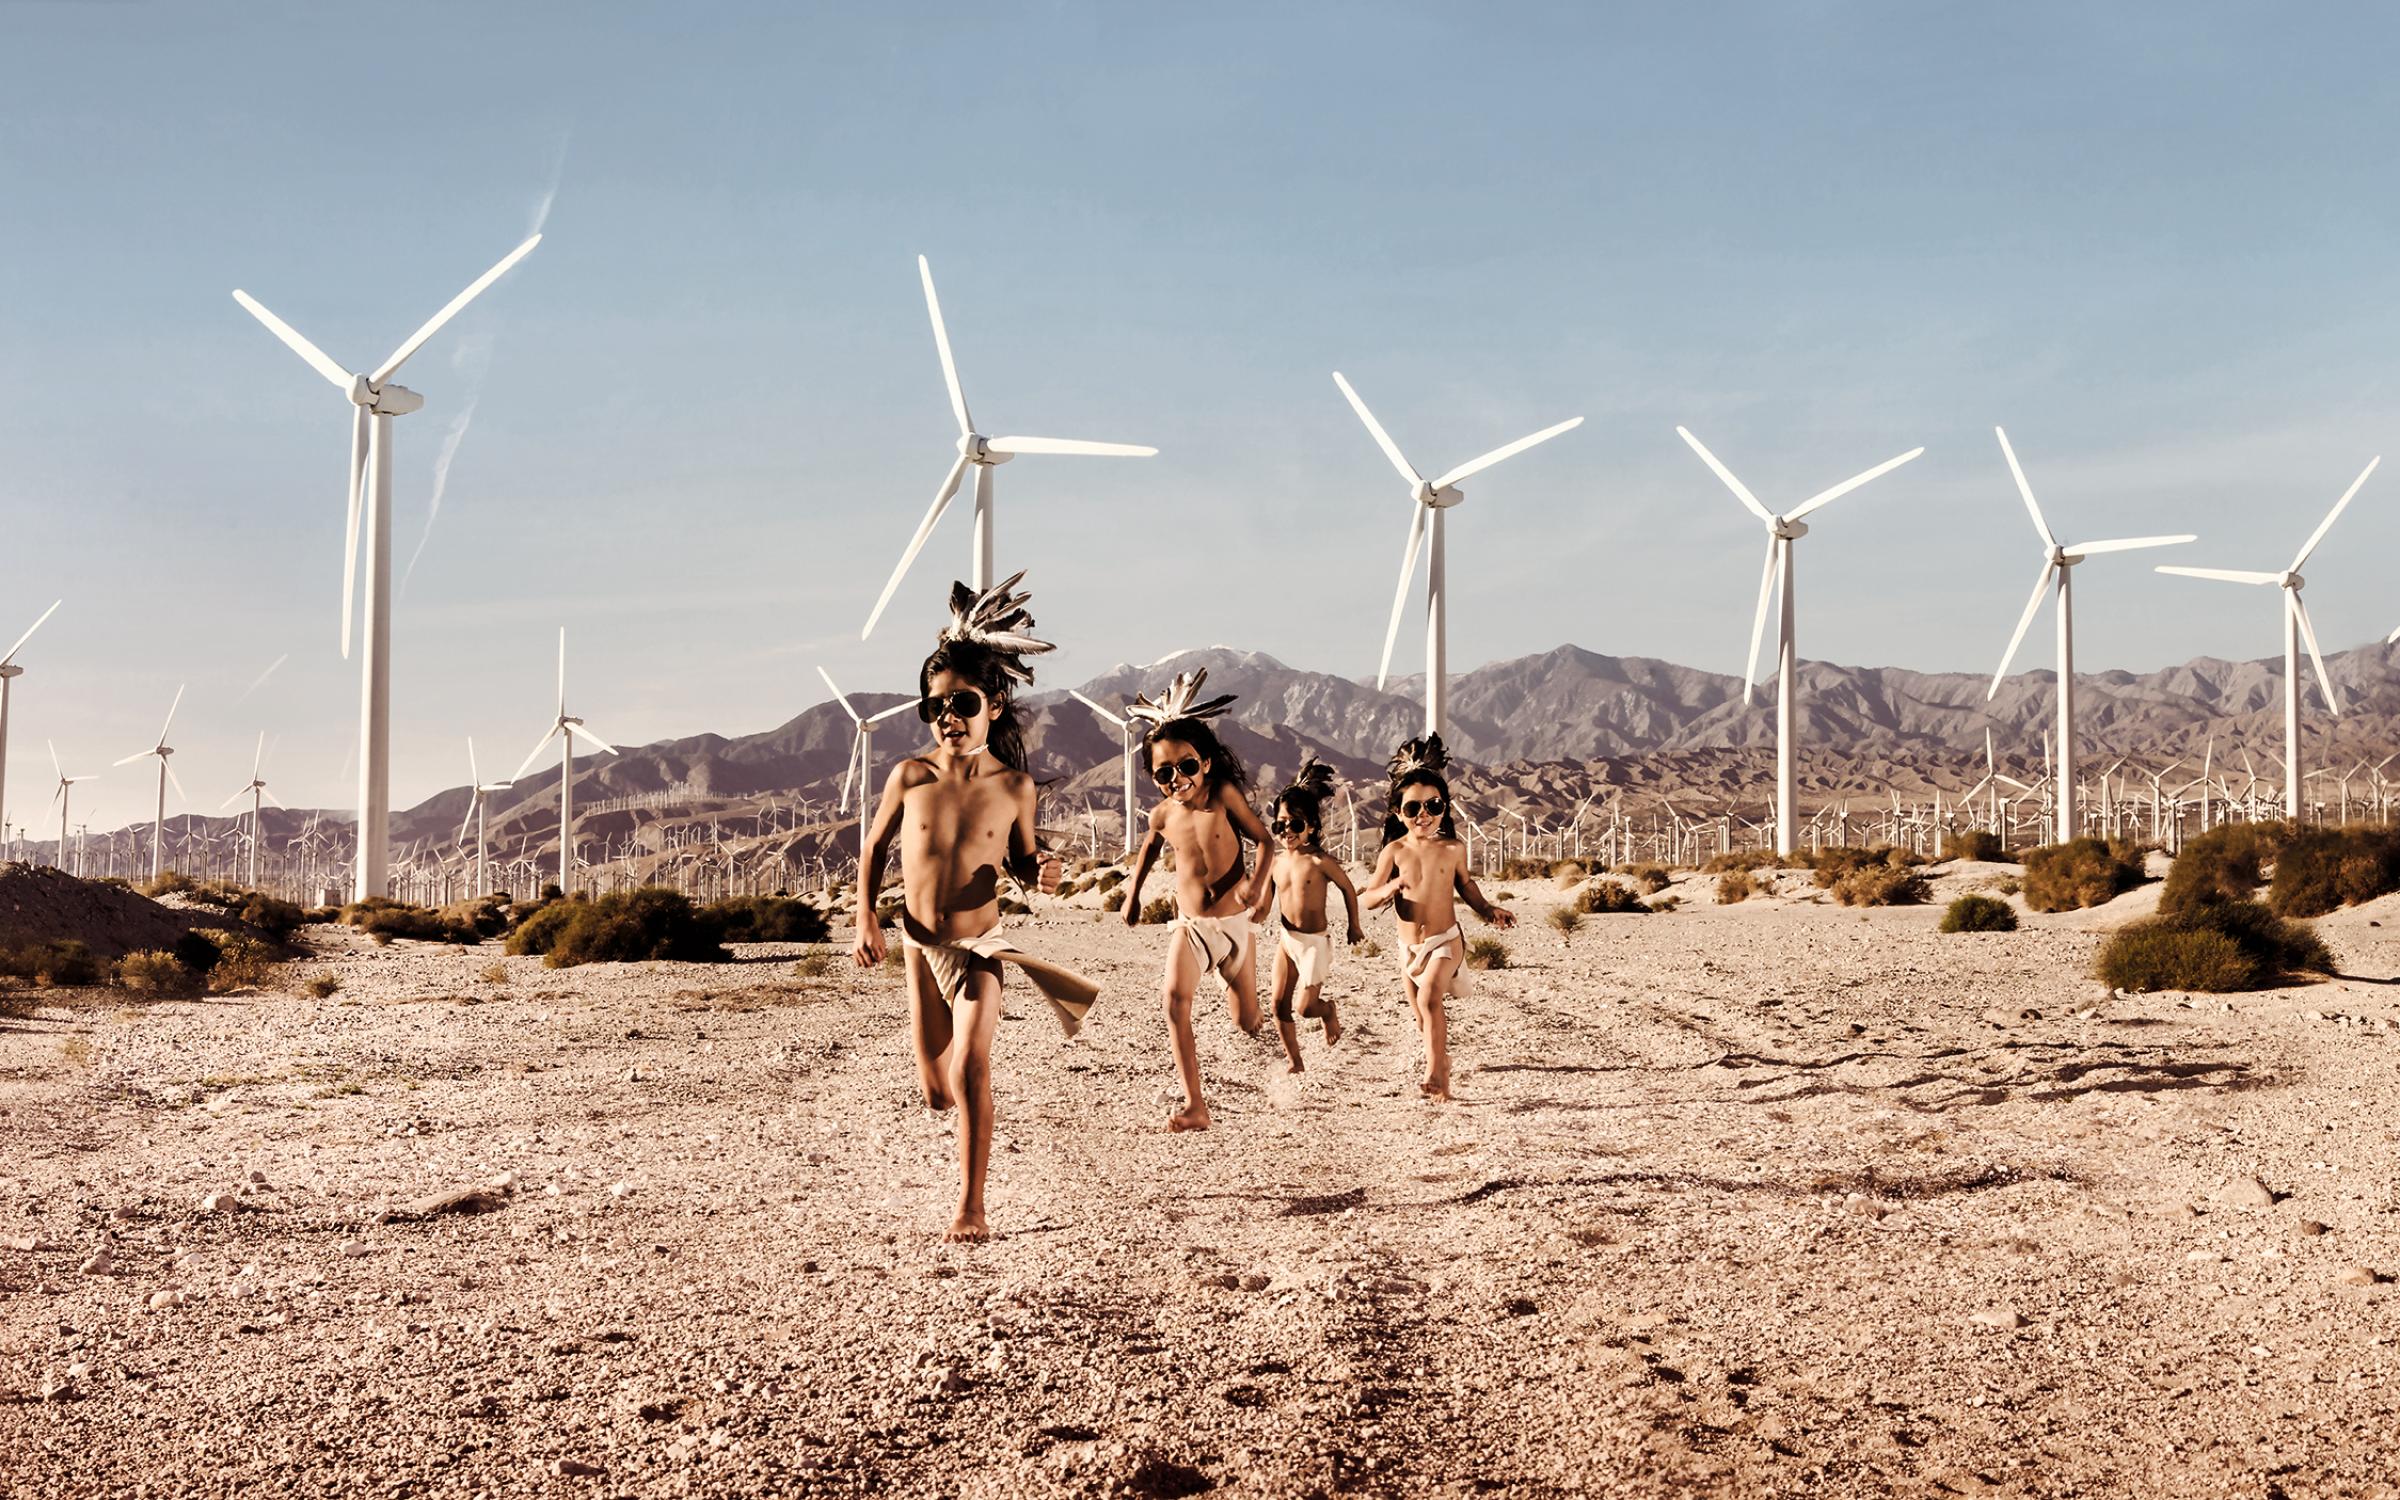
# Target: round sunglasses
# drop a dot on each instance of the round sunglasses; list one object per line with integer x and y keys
{"x": 1432, "y": 807}
{"x": 964, "y": 704}
{"x": 1168, "y": 774}
{"x": 1287, "y": 825}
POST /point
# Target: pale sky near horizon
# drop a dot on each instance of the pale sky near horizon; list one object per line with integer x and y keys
{"x": 706, "y": 412}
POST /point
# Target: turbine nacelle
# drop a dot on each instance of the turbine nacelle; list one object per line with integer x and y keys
{"x": 386, "y": 400}
{"x": 1784, "y": 529}
{"x": 975, "y": 448}
{"x": 1438, "y": 499}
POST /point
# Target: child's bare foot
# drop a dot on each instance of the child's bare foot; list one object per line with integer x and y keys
{"x": 1437, "y": 1087}
{"x": 1312, "y": 1008}
{"x": 1333, "y": 1026}
{"x": 937, "y": 1099}
{"x": 1294, "y": 1066}
{"x": 968, "y": 1226}
{"x": 1191, "y": 1117}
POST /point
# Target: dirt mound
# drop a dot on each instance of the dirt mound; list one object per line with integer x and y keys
{"x": 39, "y": 904}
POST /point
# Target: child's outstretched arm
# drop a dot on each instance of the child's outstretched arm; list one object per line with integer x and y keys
{"x": 1383, "y": 887}
{"x": 1341, "y": 879}
{"x": 868, "y": 950}
{"x": 1246, "y": 823}
{"x": 1142, "y": 860}
{"x": 1028, "y": 864}
{"x": 1265, "y": 898}
{"x": 1499, "y": 916}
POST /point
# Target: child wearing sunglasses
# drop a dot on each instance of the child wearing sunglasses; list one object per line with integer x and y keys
{"x": 1203, "y": 816}
{"x": 1423, "y": 868}
{"x": 963, "y": 813}
{"x": 1298, "y": 879}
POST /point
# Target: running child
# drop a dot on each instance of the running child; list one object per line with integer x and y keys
{"x": 1423, "y": 868}
{"x": 1296, "y": 883}
{"x": 963, "y": 814}
{"x": 1203, "y": 817}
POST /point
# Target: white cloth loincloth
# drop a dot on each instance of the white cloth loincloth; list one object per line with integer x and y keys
{"x": 1311, "y": 954}
{"x": 1416, "y": 959}
{"x": 1069, "y": 993}
{"x": 1217, "y": 941}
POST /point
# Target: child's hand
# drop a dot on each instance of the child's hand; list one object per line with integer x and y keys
{"x": 868, "y": 951}
{"x": 1502, "y": 918}
{"x": 1133, "y": 914}
{"x": 1052, "y": 868}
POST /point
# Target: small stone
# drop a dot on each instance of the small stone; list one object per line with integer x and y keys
{"x": 1519, "y": 1307}
{"x": 575, "y": 1467}
{"x": 160, "y": 1301}
{"x": 2358, "y": 1276}
{"x": 218, "y": 1203}
{"x": 123, "y": 1214}
{"x": 257, "y": 1178}
{"x": 59, "y": 1390}
{"x": 2310, "y": 1228}
{"x": 633, "y": 1075}
{"x": 2202, "y": 1257}
{"x": 352, "y": 1250}
{"x": 620, "y": 1189}
{"x": 32, "y": 1244}
{"x": 2002, "y": 1318}
{"x": 950, "y": 1380}
{"x": 98, "y": 1264}
{"x": 2246, "y": 1192}
{"x": 506, "y": 1182}
{"x": 1252, "y": 1281}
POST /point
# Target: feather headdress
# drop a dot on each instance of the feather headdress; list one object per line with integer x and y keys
{"x": 1313, "y": 779}
{"x": 997, "y": 620}
{"x": 1179, "y": 701}
{"x": 1424, "y": 754}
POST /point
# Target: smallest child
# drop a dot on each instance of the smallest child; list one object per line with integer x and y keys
{"x": 1296, "y": 885}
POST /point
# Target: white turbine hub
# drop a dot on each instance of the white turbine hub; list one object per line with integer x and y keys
{"x": 1788, "y": 530}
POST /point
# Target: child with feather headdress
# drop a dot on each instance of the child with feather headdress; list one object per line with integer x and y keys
{"x": 963, "y": 814}
{"x": 1299, "y": 880}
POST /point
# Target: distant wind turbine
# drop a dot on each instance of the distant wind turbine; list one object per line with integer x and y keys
{"x": 257, "y": 791}
{"x": 1430, "y": 499}
{"x": 1776, "y": 578}
{"x": 377, "y": 401}
{"x": 478, "y": 793}
{"x": 985, "y": 453}
{"x": 564, "y": 729}
{"x": 2295, "y": 630}
{"x": 9, "y": 673}
{"x": 166, "y": 773}
{"x": 862, "y": 760}
{"x": 60, "y": 797}
{"x": 1125, "y": 739}
{"x": 2058, "y": 563}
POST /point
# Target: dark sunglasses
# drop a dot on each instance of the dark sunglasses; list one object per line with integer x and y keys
{"x": 966, "y": 703}
{"x": 1432, "y": 807}
{"x": 1287, "y": 825}
{"x": 1165, "y": 775}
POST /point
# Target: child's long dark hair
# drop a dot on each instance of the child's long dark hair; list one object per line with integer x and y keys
{"x": 982, "y": 666}
{"x": 1420, "y": 762}
{"x": 1224, "y": 767}
{"x": 986, "y": 642}
{"x": 1305, "y": 798}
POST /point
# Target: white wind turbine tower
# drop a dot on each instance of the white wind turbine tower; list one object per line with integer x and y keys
{"x": 2295, "y": 630}
{"x": 376, "y": 401}
{"x": 256, "y": 790}
{"x": 479, "y": 792}
{"x": 2058, "y": 563}
{"x": 9, "y": 673}
{"x": 564, "y": 729}
{"x": 1776, "y": 578}
{"x": 1431, "y": 499}
{"x": 60, "y": 797}
{"x": 862, "y": 762}
{"x": 166, "y": 773}
{"x": 1125, "y": 743}
{"x": 985, "y": 453}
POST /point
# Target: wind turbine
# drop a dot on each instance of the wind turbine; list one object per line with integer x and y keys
{"x": 377, "y": 401}
{"x": 862, "y": 761}
{"x": 1776, "y": 577}
{"x": 2295, "y": 630}
{"x": 563, "y": 729}
{"x": 1125, "y": 743}
{"x": 1431, "y": 499}
{"x": 2058, "y": 563}
{"x": 257, "y": 789}
{"x": 985, "y": 453}
{"x": 166, "y": 773}
{"x": 10, "y": 672}
{"x": 478, "y": 792}
{"x": 60, "y": 797}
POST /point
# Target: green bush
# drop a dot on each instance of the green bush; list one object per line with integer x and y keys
{"x": 1568, "y": 872}
{"x": 272, "y": 915}
{"x": 1607, "y": 897}
{"x": 2080, "y": 873}
{"x": 322, "y": 986}
{"x": 1735, "y": 885}
{"x": 2318, "y": 869}
{"x": 59, "y": 962}
{"x": 157, "y": 972}
{"x": 1523, "y": 867}
{"x": 1830, "y": 866}
{"x": 1650, "y": 878}
{"x": 1979, "y": 914}
{"x": 1113, "y": 901}
{"x": 1882, "y": 885}
{"x": 1486, "y": 953}
{"x": 1976, "y": 844}
{"x": 242, "y": 962}
{"x": 384, "y": 919}
{"x": 1566, "y": 919}
{"x": 1158, "y": 909}
{"x": 2223, "y": 864}
{"x": 2215, "y": 947}
{"x": 538, "y": 927}
{"x": 766, "y": 919}
{"x": 168, "y": 883}
{"x": 651, "y": 922}
{"x": 1741, "y": 859}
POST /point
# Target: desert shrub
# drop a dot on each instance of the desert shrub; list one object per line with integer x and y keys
{"x": 493, "y": 973}
{"x": 272, "y": 915}
{"x": 651, "y": 922}
{"x": 1367, "y": 947}
{"x": 52, "y": 962}
{"x": 2080, "y": 873}
{"x": 1568, "y": 872}
{"x": 1740, "y": 859}
{"x": 1108, "y": 880}
{"x": 1158, "y": 909}
{"x": 1882, "y": 884}
{"x": 1979, "y": 914}
{"x": 321, "y": 986}
{"x": 766, "y": 919}
{"x": 813, "y": 966}
{"x": 384, "y": 919}
{"x": 1010, "y": 906}
{"x": 168, "y": 883}
{"x": 1735, "y": 885}
{"x": 1650, "y": 879}
{"x": 1566, "y": 919}
{"x": 2224, "y": 864}
{"x": 538, "y": 928}
{"x": 485, "y": 916}
{"x": 1602, "y": 897}
{"x": 155, "y": 971}
{"x": 1523, "y": 867}
{"x": 1486, "y": 953}
{"x": 197, "y": 952}
{"x": 1975, "y": 844}
{"x": 1113, "y": 901}
{"x": 1663, "y": 903}
{"x": 242, "y": 962}
{"x": 1830, "y": 866}
{"x": 2214, "y": 947}
{"x": 2318, "y": 869}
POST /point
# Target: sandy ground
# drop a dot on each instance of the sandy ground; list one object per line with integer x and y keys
{"x": 1775, "y": 1197}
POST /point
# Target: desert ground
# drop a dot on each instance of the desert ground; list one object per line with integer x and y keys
{"x": 1777, "y": 1197}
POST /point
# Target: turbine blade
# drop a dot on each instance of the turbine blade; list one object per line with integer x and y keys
{"x": 1474, "y": 466}
{"x": 2128, "y": 544}
{"x": 433, "y": 325}
{"x": 585, "y": 732}
{"x": 316, "y": 357}
{"x": 941, "y": 344}
{"x": 2024, "y": 488}
{"x": 2308, "y": 636}
{"x": 1758, "y": 621}
{"x": 1827, "y": 497}
{"x": 1071, "y": 445}
{"x": 270, "y": 796}
{"x": 260, "y": 758}
{"x": 474, "y": 776}
{"x": 916, "y": 544}
{"x": 178, "y": 703}
{"x": 2226, "y": 575}
{"x": 857, "y": 742}
{"x": 474, "y": 795}
{"x": 562, "y": 671}
{"x": 1740, "y": 490}
{"x": 2394, "y": 636}
{"x": 130, "y": 759}
{"x": 1383, "y": 439}
{"x": 1118, "y": 720}
{"x": 2041, "y": 588}
{"x": 1408, "y": 570}
{"x": 2334, "y": 514}
{"x": 535, "y": 753}
{"x": 57, "y": 769}
{"x": 228, "y": 802}
{"x": 358, "y": 475}
{"x": 168, "y": 766}
{"x": 837, "y": 695}
{"x": 28, "y": 635}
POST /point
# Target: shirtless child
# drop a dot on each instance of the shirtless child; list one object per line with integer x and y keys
{"x": 963, "y": 813}
{"x": 1203, "y": 817}
{"x": 1423, "y": 868}
{"x": 1296, "y": 884}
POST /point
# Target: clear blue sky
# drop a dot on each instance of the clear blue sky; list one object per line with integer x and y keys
{"x": 2155, "y": 242}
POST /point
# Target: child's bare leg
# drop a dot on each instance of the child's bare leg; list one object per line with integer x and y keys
{"x": 1241, "y": 981}
{"x": 1176, "y": 985}
{"x": 1318, "y": 1004}
{"x": 929, "y": 1027}
{"x": 1286, "y": 977}
{"x": 971, "y": 1085}
{"x": 1436, "y": 1023}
